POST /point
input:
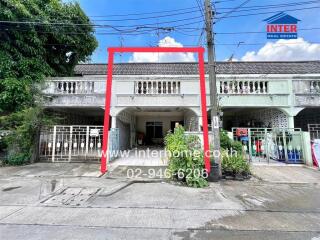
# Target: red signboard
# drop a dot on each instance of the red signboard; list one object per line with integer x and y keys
{"x": 241, "y": 132}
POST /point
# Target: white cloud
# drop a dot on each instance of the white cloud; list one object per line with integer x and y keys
{"x": 164, "y": 57}
{"x": 285, "y": 50}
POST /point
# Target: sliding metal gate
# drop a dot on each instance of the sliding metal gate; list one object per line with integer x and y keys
{"x": 272, "y": 144}
{"x": 74, "y": 143}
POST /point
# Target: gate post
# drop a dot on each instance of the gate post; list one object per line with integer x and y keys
{"x": 54, "y": 143}
{"x": 70, "y": 143}
{"x": 266, "y": 145}
{"x": 87, "y": 142}
{"x": 250, "y": 147}
{"x": 306, "y": 148}
{"x": 285, "y": 145}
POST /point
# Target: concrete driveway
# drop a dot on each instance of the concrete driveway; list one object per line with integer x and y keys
{"x": 287, "y": 174}
{"x": 53, "y": 169}
{"x": 57, "y": 204}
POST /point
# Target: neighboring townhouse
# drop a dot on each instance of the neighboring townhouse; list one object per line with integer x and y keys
{"x": 148, "y": 99}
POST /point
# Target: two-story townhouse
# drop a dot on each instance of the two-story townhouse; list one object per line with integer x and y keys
{"x": 149, "y": 98}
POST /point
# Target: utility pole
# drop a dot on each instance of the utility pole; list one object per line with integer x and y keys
{"x": 215, "y": 120}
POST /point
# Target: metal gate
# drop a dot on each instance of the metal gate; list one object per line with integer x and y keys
{"x": 314, "y": 130}
{"x": 73, "y": 143}
{"x": 271, "y": 145}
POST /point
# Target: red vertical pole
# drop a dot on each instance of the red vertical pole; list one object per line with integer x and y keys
{"x": 204, "y": 110}
{"x": 105, "y": 155}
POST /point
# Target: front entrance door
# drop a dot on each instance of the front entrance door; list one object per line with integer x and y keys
{"x": 154, "y": 133}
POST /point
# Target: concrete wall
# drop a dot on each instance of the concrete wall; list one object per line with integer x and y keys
{"x": 266, "y": 117}
{"x": 124, "y": 133}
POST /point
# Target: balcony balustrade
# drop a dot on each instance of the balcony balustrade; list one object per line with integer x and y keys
{"x": 157, "y": 87}
{"x": 175, "y": 91}
{"x": 73, "y": 87}
{"x": 243, "y": 87}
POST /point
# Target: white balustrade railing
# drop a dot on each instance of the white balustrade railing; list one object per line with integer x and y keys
{"x": 243, "y": 87}
{"x": 157, "y": 87}
{"x": 73, "y": 87}
{"x": 165, "y": 87}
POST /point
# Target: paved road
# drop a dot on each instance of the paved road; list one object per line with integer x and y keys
{"x": 58, "y": 201}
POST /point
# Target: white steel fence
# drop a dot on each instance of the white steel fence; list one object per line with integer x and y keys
{"x": 272, "y": 145}
{"x": 74, "y": 143}
{"x": 314, "y": 130}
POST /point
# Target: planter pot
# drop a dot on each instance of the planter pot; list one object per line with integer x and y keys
{"x": 214, "y": 173}
{"x": 239, "y": 177}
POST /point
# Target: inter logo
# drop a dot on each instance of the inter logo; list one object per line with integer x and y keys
{"x": 282, "y": 26}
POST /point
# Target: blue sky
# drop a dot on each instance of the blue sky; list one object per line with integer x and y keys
{"x": 309, "y": 19}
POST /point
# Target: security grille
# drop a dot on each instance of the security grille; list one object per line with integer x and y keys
{"x": 272, "y": 144}
{"x": 71, "y": 143}
{"x": 314, "y": 130}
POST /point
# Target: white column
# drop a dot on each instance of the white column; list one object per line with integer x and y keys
{"x": 290, "y": 122}
{"x": 199, "y": 123}
{"x": 113, "y": 122}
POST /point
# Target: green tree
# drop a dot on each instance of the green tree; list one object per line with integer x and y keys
{"x": 38, "y": 38}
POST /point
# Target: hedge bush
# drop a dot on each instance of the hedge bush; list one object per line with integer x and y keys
{"x": 233, "y": 165}
{"x": 185, "y": 158}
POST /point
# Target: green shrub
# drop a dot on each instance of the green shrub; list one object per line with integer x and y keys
{"x": 229, "y": 144}
{"x": 185, "y": 158}
{"x": 234, "y": 164}
{"x": 24, "y": 127}
{"x": 225, "y": 141}
{"x": 17, "y": 159}
{"x": 236, "y": 146}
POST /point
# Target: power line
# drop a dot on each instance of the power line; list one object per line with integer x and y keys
{"x": 186, "y": 23}
{"x": 153, "y": 30}
{"x": 144, "y": 18}
{"x": 258, "y": 44}
{"x": 261, "y": 32}
{"x": 203, "y": 29}
{"x": 262, "y": 13}
{"x": 219, "y": 43}
{"x": 232, "y": 10}
{"x": 145, "y": 13}
{"x": 200, "y": 8}
{"x": 222, "y": 1}
{"x": 274, "y": 5}
{"x": 115, "y": 27}
{"x": 270, "y": 7}
{"x": 134, "y": 33}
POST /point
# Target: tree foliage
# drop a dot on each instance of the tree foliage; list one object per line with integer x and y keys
{"x": 39, "y": 38}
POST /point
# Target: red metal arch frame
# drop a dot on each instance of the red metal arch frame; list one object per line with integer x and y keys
{"x": 112, "y": 51}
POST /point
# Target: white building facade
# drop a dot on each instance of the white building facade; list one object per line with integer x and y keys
{"x": 148, "y": 99}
